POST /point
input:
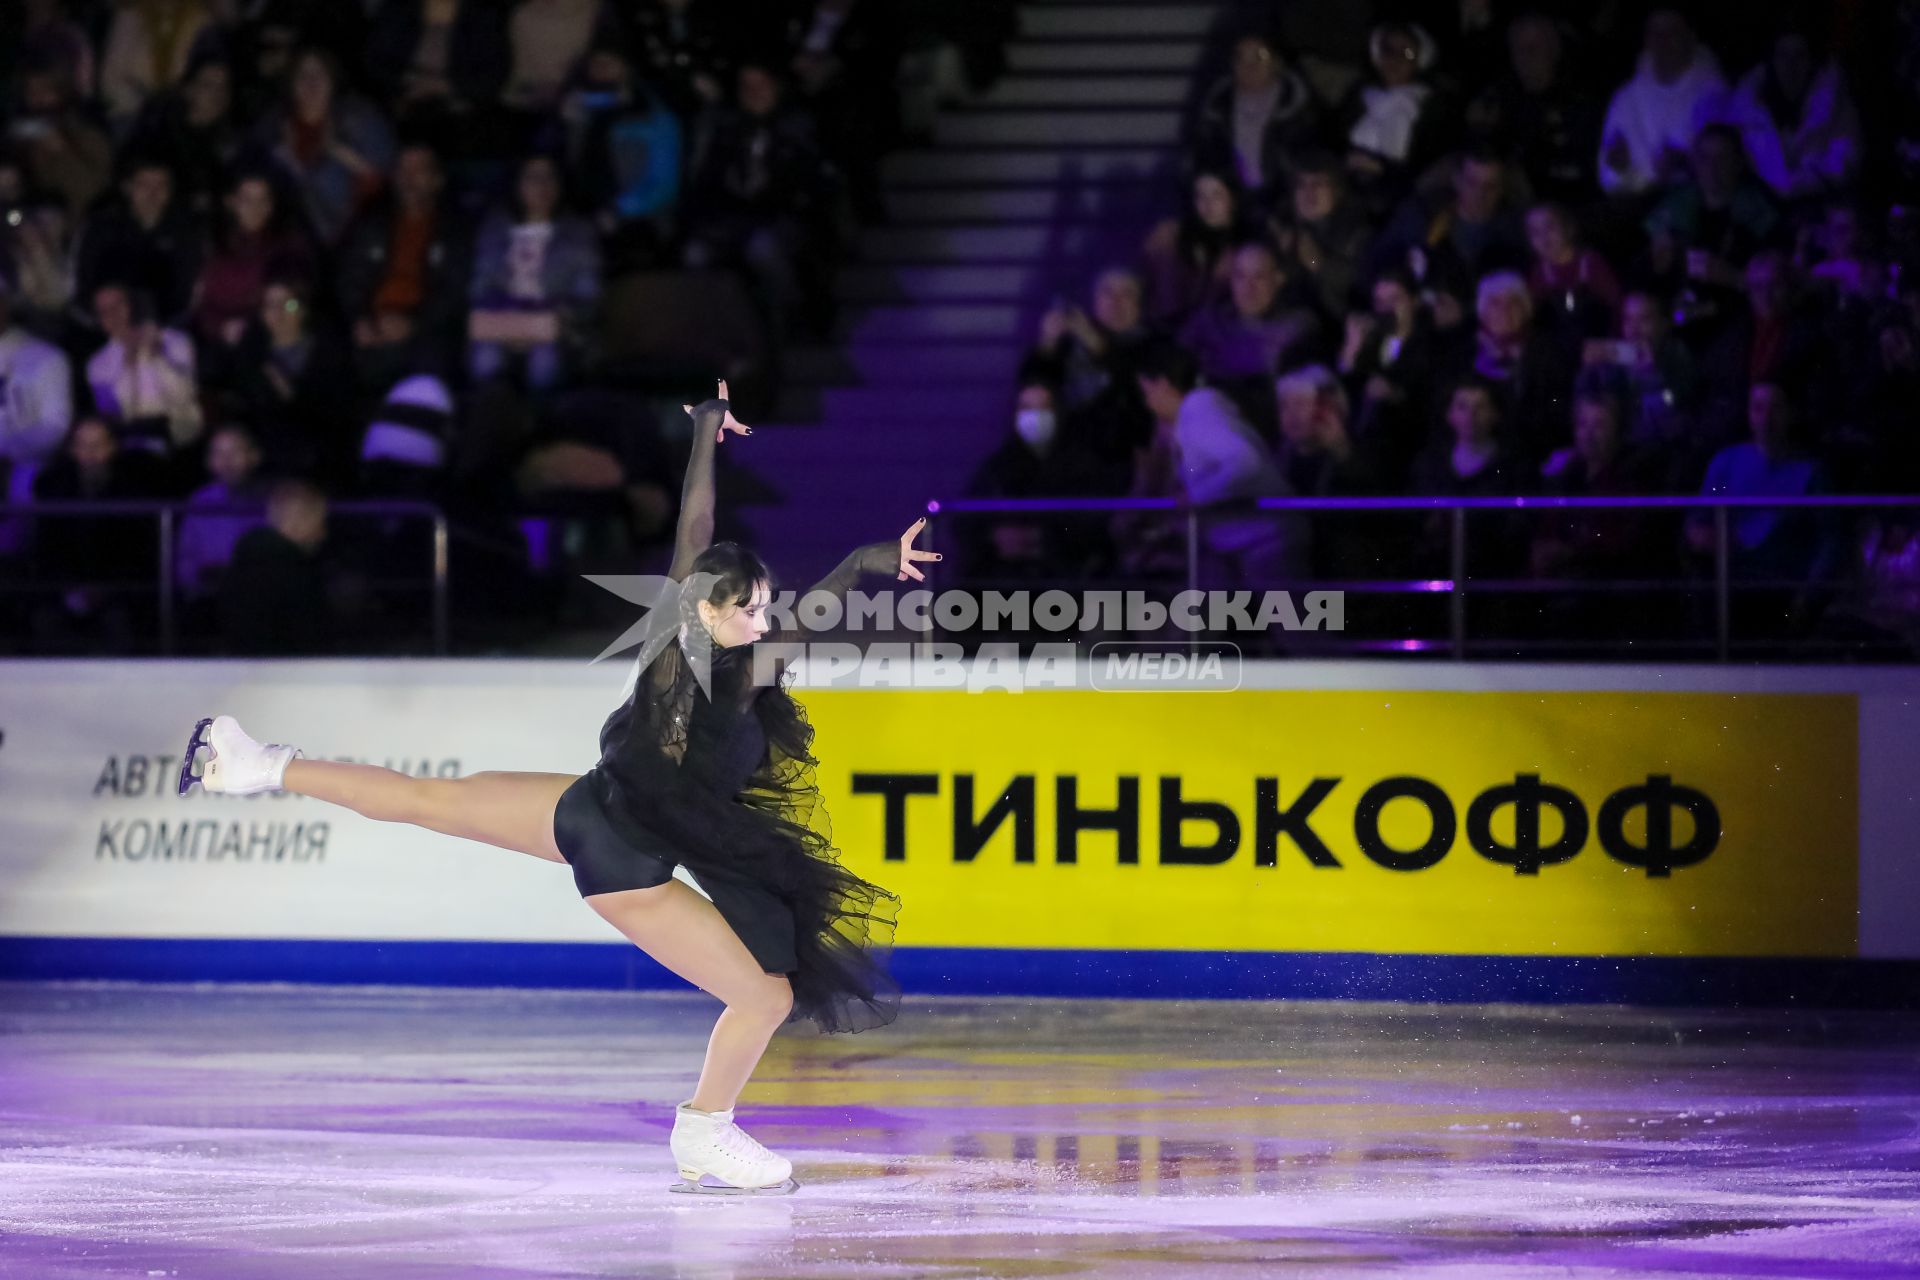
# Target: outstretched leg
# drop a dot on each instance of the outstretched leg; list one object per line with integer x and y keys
{"x": 511, "y": 810}
{"x": 677, "y": 926}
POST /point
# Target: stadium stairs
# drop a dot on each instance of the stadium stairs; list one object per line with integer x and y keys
{"x": 1018, "y": 197}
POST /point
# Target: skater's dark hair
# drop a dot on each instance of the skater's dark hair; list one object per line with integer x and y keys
{"x": 738, "y": 569}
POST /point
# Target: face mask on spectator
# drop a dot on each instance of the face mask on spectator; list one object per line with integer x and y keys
{"x": 1035, "y": 426}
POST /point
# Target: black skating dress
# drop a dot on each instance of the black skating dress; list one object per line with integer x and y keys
{"x": 725, "y": 786}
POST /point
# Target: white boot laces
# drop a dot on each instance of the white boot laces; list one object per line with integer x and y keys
{"x": 739, "y": 1143}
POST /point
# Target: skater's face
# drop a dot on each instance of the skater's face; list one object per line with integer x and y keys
{"x": 734, "y": 623}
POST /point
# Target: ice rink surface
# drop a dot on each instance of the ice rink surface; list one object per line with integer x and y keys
{"x": 224, "y": 1132}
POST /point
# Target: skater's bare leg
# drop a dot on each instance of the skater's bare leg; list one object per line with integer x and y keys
{"x": 677, "y": 926}
{"x": 511, "y": 810}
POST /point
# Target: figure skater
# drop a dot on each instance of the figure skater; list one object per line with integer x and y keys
{"x": 719, "y": 783}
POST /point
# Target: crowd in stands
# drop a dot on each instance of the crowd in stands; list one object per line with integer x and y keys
{"x": 1514, "y": 249}
{"x": 257, "y": 254}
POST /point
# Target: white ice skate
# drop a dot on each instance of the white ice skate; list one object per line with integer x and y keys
{"x": 710, "y": 1143}
{"x": 236, "y": 765}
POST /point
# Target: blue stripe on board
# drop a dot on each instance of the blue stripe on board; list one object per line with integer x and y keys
{"x": 1322, "y": 975}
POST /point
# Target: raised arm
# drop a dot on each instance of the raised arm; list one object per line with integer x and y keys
{"x": 897, "y": 557}
{"x": 711, "y": 421}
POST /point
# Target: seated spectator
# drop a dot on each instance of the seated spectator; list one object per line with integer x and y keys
{"x": 1469, "y": 462}
{"x": 1882, "y": 602}
{"x": 1451, "y": 236}
{"x": 1205, "y": 453}
{"x": 149, "y": 47}
{"x": 626, "y": 146}
{"x": 332, "y": 144}
{"x": 1575, "y": 291}
{"x": 96, "y": 562}
{"x": 1388, "y": 362}
{"x": 1325, "y": 231}
{"x": 548, "y": 38}
{"x": 256, "y": 240}
{"x": 1255, "y": 120}
{"x": 536, "y": 281}
{"x": 294, "y": 383}
{"x": 758, "y": 191}
{"x": 1653, "y": 118}
{"x": 143, "y": 378}
{"x": 439, "y": 65}
{"x": 1323, "y": 456}
{"x": 1261, "y": 329}
{"x": 277, "y": 597}
{"x": 64, "y": 152}
{"x": 1391, "y": 125}
{"x": 1087, "y": 358}
{"x": 36, "y": 407}
{"x": 1706, "y": 228}
{"x": 1787, "y": 555}
{"x": 1528, "y": 370}
{"x": 49, "y": 37}
{"x": 148, "y": 239}
{"x": 1540, "y": 114}
{"x": 1893, "y": 389}
{"x": 1045, "y": 455}
{"x": 1767, "y": 543}
{"x": 1798, "y": 121}
{"x": 1320, "y": 454}
{"x": 844, "y": 58}
{"x": 1597, "y": 545}
{"x": 1187, "y": 259}
{"x": 1775, "y": 337}
{"x": 1654, "y": 376}
{"x": 266, "y": 36}
{"x": 34, "y": 244}
{"x": 193, "y": 127}
{"x": 683, "y": 51}
{"x": 404, "y": 272}
{"x": 206, "y": 542}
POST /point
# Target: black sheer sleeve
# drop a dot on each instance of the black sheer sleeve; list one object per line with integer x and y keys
{"x": 695, "y": 530}
{"x": 873, "y": 557}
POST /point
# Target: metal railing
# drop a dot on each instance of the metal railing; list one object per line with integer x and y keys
{"x": 168, "y": 515}
{"x": 1459, "y": 585}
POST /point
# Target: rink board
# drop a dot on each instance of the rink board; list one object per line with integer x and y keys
{"x": 1329, "y": 829}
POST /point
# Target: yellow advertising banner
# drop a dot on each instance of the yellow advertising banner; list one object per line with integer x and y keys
{"x": 1596, "y": 824}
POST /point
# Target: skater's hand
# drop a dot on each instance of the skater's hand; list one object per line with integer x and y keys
{"x": 730, "y": 424}
{"x": 908, "y": 555}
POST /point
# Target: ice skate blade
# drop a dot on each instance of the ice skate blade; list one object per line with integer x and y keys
{"x": 692, "y": 1186}
{"x": 195, "y": 740}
